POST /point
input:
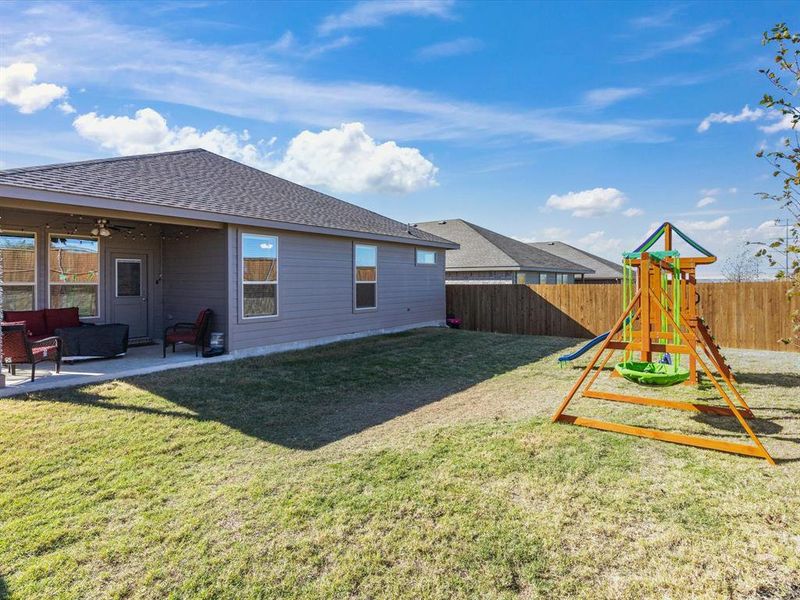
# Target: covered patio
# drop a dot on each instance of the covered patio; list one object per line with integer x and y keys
{"x": 116, "y": 268}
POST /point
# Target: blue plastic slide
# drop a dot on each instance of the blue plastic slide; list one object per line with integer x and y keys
{"x": 587, "y": 346}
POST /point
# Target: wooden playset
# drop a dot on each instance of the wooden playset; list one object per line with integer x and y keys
{"x": 660, "y": 317}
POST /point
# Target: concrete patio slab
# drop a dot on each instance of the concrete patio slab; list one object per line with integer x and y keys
{"x": 138, "y": 361}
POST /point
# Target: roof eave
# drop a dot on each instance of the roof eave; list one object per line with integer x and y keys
{"x": 146, "y": 208}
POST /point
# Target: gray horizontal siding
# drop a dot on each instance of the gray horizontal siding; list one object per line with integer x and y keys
{"x": 315, "y": 291}
{"x": 195, "y": 276}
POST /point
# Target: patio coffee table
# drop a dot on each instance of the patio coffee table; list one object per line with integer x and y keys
{"x": 94, "y": 341}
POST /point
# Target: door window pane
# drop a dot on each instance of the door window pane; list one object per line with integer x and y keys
{"x": 129, "y": 278}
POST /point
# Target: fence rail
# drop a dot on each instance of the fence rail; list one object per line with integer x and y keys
{"x": 740, "y": 315}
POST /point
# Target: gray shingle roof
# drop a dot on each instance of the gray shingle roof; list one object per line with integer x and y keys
{"x": 603, "y": 268}
{"x": 199, "y": 180}
{"x": 485, "y": 249}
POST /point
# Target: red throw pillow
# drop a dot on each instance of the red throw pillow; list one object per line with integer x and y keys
{"x": 34, "y": 320}
{"x": 59, "y": 318}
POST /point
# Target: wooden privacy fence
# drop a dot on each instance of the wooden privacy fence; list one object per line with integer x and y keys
{"x": 740, "y": 315}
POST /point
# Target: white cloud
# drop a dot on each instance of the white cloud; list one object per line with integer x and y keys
{"x": 148, "y": 132}
{"x": 689, "y": 39}
{"x": 375, "y": 13}
{"x": 17, "y": 88}
{"x": 588, "y": 203}
{"x": 346, "y": 159}
{"x": 710, "y": 191}
{"x": 784, "y": 123}
{"x": 91, "y": 48}
{"x": 32, "y": 41}
{"x": 746, "y": 114}
{"x": 732, "y": 190}
{"x": 659, "y": 19}
{"x": 780, "y": 122}
{"x": 597, "y": 242}
{"x": 602, "y": 97}
{"x": 633, "y": 212}
{"x": 705, "y": 201}
{"x": 714, "y": 225}
{"x": 66, "y": 108}
{"x": 457, "y": 47}
{"x": 289, "y": 45}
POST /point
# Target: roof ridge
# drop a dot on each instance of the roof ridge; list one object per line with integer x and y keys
{"x": 92, "y": 161}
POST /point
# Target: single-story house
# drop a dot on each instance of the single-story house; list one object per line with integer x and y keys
{"x": 485, "y": 256}
{"x": 605, "y": 271}
{"x": 153, "y": 239}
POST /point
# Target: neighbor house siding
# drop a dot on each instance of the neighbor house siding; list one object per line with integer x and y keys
{"x": 315, "y": 290}
{"x": 481, "y": 277}
{"x": 195, "y": 276}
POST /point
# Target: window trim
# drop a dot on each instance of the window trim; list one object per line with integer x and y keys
{"x": 356, "y": 309}
{"x": 242, "y": 282}
{"x": 116, "y": 276}
{"x": 35, "y": 265}
{"x": 435, "y": 262}
{"x": 99, "y": 270}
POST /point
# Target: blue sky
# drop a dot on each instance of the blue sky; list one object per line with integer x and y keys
{"x": 586, "y": 122}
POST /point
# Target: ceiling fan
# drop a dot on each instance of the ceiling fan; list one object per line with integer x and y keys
{"x": 103, "y": 227}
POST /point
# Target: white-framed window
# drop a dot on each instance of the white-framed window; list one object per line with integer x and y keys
{"x": 74, "y": 273}
{"x": 19, "y": 270}
{"x": 426, "y": 257}
{"x": 542, "y": 278}
{"x": 259, "y": 275}
{"x": 365, "y": 276}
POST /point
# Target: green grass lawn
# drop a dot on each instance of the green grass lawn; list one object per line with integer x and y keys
{"x": 415, "y": 465}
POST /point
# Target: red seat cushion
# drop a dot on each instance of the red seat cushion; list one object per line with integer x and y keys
{"x": 58, "y": 318}
{"x": 34, "y": 320}
{"x": 187, "y": 337}
{"x": 45, "y": 352}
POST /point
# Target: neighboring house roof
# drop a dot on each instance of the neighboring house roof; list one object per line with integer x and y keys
{"x": 603, "y": 268}
{"x": 482, "y": 249}
{"x": 198, "y": 180}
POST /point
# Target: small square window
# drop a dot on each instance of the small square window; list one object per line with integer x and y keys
{"x": 426, "y": 257}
